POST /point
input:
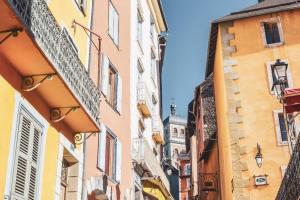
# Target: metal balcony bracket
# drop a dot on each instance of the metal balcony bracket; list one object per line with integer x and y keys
{"x": 11, "y": 32}
{"x": 58, "y": 114}
{"x": 30, "y": 83}
{"x": 79, "y": 139}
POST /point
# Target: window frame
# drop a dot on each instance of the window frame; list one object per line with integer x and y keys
{"x": 21, "y": 103}
{"x": 139, "y": 28}
{"x": 280, "y": 30}
{"x": 114, "y": 162}
{"x": 278, "y": 129}
{"x": 270, "y": 75}
{"x": 111, "y": 35}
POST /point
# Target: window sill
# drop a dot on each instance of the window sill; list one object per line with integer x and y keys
{"x": 113, "y": 41}
{"x": 274, "y": 45}
{"x": 112, "y": 107}
{"x": 282, "y": 144}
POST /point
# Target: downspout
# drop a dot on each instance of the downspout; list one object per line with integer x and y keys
{"x": 84, "y": 138}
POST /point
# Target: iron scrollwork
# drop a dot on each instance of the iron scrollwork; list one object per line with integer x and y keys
{"x": 54, "y": 43}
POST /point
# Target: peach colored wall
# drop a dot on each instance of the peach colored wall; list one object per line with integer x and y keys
{"x": 258, "y": 103}
{"x": 120, "y": 58}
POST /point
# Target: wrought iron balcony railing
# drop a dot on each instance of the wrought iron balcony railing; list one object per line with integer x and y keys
{"x": 143, "y": 155}
{"x": 289, "y": 188}
{"x": 144, "y": 99}
{"x": 53, "y": 41}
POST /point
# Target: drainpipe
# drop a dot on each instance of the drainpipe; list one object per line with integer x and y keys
{"x": 83, "y": 168}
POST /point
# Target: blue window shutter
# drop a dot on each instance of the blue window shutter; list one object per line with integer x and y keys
{"x": 119, "y": 94}
{"x": 118, "y": 160}
{"x": 102, "y": 148}
{"x": 104, "y": 82}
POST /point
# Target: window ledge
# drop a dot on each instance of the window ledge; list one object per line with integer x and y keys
{"x": 112, "y": 107}
{"x": 274, "y": 45}
{"x": 113, "y": 41}
{"x": 282, "y": 144}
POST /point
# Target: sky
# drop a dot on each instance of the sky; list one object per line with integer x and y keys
{"x": 185, "y": 59}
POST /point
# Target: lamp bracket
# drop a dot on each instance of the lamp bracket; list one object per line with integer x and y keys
{"x": 10, "y": 32}
{"x": 57, "y": 114}
{"x": 30, "y": 83}
{"x": 78, "y": 139}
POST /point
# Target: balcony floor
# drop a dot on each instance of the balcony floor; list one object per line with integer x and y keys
{"x": 22, "y": 54}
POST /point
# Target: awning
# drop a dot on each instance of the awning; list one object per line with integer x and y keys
{"x": 292, "y": 100}
{"x": 155, "y": 181}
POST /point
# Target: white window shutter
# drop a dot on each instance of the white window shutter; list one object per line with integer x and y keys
{"x": 111, "y": 20}
{"x": 102, "y": 148}
{"x": 116, "y": 27}
{"x": 118, "y": 160}
{"x": 27, "y": 159}
{"x": 104, "y": 82}
{"x": 119, "y": 93}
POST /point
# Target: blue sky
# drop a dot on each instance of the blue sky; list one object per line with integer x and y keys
{"x": 184, "y": 65}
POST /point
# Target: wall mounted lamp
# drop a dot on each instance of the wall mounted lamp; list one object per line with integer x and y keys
{"x": 259, "y": 157}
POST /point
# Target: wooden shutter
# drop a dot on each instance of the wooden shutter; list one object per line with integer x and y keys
{"x": 104, "y": 82}
{"x": 118, "y": 160}
{"x": 119, "y": 93}
{"x": 102, "y": 148}
{"x": 27, "y": 158}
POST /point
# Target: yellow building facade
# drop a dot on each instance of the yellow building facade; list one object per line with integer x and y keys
{"x": 241, "y": 51}
{"x": 43, "y": 81}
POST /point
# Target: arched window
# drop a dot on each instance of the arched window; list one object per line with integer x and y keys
{"x": 182, "y": 133}
{"x": 175, "y": 132}
{"x": 175, "y": 153}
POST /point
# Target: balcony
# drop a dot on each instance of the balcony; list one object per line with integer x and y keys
{"x": 157, "y": 130}
{"x": 143, "y": 156}
{"x": 289, "y": 188}
{"x": 44, "y": 48}
{"x": 144, "y": 100}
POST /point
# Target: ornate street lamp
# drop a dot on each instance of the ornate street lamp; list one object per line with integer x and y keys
{"x": 259, "y": 157}
{"x": 279, "y": 73}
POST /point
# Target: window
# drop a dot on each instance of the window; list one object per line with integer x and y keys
{"x": 175, "y": 154}
{"x": 109, "y": 154}
{"x": 272, "y": 32}
{"x": 152, "y": 26}
{"x": 82, "y": 5}
{"x": 69, "y": 175}
{"x": 188, "y": 183}
{"x": 140, "y": 21}
{"x": 113, "y": 23}
{"x": 111, "y": 84}
{"x": 27, "y": 157}
{"x": 281, "y": 131}
{"x": 187, "y": 169}
{"x": 140, "y": 66}
{"x": 182, "y": 133}
{"x": 175, "y": 132}
{"x": 271, "y": 76}
{"x": 153, "y": 67}
{"x": 112, "y": 81}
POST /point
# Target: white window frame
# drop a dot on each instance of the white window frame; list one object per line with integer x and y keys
{"x": 139, "y": 21}
{"x": 277, "y": 128}
{"x": 186, "y": 169}
{"x": 270, "y": 77}
{"x": 64, "y": 143}
{"x": 21, "y": 102}
{"x": 114, "y": 34}
{"x": 278, "y": 21}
